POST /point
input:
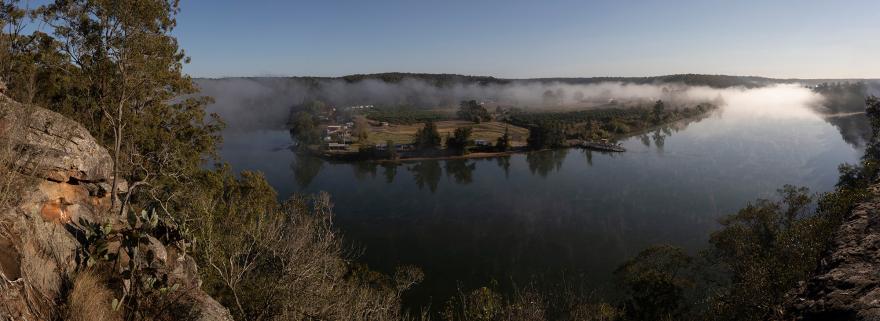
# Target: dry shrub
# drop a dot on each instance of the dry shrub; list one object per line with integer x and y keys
{"x": 90, "y": 299}
{"x": 271, "y": 261}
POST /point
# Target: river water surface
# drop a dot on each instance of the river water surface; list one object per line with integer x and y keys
{"x": 565, "y": 212}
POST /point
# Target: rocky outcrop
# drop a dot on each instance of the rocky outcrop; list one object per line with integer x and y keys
{"x": 847, "y": 286}
{"x": 59, "y": 174}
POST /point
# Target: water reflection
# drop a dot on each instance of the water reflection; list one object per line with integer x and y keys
{"x": 427, "y": 174}
{"x": 544, "y": 162}
{"x": 390, "y": 172}
{"x": 645, "y": 140}
{"x": 305, "y": 169}
{"x": 364, "y": 170}
{"x": 504, "y": 163}
{"x": 659, "y": 139}
{"x": 461, "y": 170}
{"x": 854, "y": 128}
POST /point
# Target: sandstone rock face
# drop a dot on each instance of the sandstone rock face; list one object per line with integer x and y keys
{"x": 61, "y": 175}
{"x": 847, "y": 286}
{"x": 54, "y": 147}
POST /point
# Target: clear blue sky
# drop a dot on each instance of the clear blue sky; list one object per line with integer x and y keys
{"x": 521, "y": 39}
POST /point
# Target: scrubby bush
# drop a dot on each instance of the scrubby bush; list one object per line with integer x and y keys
{"x": 268, "y": 260}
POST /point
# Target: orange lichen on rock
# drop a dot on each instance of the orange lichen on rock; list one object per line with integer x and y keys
{"x": 55, "y": 211}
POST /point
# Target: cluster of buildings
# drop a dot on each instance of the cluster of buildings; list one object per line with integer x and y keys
{"x": 397, "y": 147}
{"x": 338, "y": 133}
{"x": 359, "y": 107}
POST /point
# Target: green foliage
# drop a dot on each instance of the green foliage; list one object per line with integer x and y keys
{"x": 503, "y": 142}
{"x": 546, "y": 135}
{"x": 473, "y": 111}
{"x": 758, "y": 256}
{"x": 116, "y": 69}
{"x": 304, "y": 127}
{"x": 870, "y": 166}
{"x": 592, "y": 124}
{"x": 460, "y": 140}
{"x": 769, "y": 246}
{"x": 145, "y": 287}
{"x": 125, "y": 73}
{"x": 407, "y": 115}
{"x": 305, "y": 120}
{"x": 427, "y": 137}
{"x": 655, "y": 282}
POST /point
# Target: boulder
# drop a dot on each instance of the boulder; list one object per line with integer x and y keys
{"x": 51, "y": 146}
{"x": 61, "y": 175}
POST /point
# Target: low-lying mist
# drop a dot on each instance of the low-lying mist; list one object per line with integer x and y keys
{"x": 265, "y": 103}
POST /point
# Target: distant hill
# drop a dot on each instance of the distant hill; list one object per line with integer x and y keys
{"x": 715, "y": 81}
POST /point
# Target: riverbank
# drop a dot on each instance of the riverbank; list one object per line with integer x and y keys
{"x": 382, "y": 156}
{"x": 412, "y": 156}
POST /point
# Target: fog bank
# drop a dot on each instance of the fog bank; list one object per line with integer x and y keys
{"x": 265, "y": 103}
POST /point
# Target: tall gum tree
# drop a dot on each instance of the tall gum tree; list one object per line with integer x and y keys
{"x": 128, "y": 67}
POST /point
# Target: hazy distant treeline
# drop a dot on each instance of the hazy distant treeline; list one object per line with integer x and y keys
{"x": 266, "y": 102}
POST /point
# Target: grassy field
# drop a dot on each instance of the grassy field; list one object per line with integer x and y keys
{"x": 490, "y": 131}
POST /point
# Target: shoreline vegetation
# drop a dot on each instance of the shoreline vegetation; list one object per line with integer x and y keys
{"x": 399, "y": 134}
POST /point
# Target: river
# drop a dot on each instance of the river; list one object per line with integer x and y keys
{"x": 545, "y": 215}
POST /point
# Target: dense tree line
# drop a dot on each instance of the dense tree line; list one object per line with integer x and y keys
{"x": 439, "y": 80}
{"x": 551, "y": 129}
{"x": 843, "y": 97}
{"x": 407, "y": 115}
{"x": 715, "y": 81}
{"x": 546, "y": 135}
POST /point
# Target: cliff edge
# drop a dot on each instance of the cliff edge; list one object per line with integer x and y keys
{"x": 54, "y": 175}
{"x": 847, "y": 285}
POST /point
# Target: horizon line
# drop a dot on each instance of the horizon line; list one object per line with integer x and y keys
{"x": 531, "y": 78}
